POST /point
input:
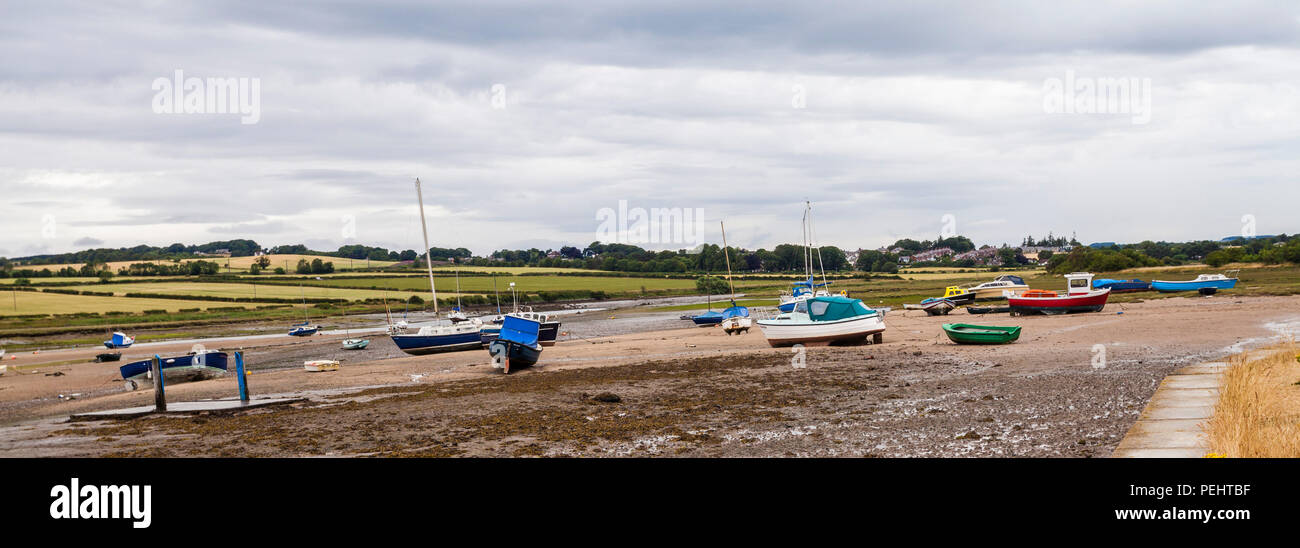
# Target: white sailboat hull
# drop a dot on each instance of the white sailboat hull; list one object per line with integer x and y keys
{"x": 791, "y": 329}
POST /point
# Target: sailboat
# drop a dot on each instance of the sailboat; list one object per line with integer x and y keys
{"x": 348, "y": 342}
{"x": 736, "y": 318}
{"x": 803, "y": 290}
{"x": 437, "y": 338}
{"x": 822, "y": 318}
{"x": 303, "y": 329}
{"x": 456, "y": 315}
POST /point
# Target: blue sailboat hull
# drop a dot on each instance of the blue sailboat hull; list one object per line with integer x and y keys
{"x": 1117, "y": 286}
{"x": 430, "y": 344}
{"x": 707, "y": 319}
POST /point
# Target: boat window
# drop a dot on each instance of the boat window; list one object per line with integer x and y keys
{"x": 1078, "y": 282}
{"x": 818, "y": 308}
{"x": 801, "y": 306}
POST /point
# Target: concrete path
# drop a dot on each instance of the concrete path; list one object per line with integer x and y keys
{"x": 1172, "y": 423}
{"x": 183, "y": 408}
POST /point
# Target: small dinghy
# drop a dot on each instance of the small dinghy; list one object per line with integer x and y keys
{"x": 962, "y": 333}
{"x": 988, "y": 309}
{"x": 108, "y": 357}
{"x": 937, "y": 307}
{"x": 355, "y": 344}
{"x": 316, "y": 366}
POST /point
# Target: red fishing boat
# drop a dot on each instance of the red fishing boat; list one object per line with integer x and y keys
{"x": 1079, "y": 298}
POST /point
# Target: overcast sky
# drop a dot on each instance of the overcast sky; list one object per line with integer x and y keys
{"x": 524, "y": 121}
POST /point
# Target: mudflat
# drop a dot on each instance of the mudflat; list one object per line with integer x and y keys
{"x": 687, "y": 392}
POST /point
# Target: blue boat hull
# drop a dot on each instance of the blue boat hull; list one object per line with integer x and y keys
{"x": 430, "y": 344}
{"x": 180, "y": 366}
{"x": 299, "y": 332}
{"x": 1193, "y": 286}
{"x": 1123, "y": 285}
{"x": 787, "y": 307}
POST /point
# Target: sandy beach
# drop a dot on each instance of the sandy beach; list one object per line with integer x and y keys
{"x": 666, "y": 391}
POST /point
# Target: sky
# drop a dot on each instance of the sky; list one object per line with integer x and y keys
{"x": 524, "y": 121}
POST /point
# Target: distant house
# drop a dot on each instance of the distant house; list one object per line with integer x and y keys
{"x": 986, "y": 255}
{"x": 932, "y": 254}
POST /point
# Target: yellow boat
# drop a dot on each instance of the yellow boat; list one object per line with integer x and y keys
{"x": 958, "y": 295}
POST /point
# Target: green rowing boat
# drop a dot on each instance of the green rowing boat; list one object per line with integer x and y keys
{"x": 962, "y": 333}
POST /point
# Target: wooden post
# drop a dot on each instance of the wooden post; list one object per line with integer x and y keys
{"x": 239, "y": 372}
{"x": 159, "y": 391}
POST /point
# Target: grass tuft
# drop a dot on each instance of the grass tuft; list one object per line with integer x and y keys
{"x": 1258, "y": 413}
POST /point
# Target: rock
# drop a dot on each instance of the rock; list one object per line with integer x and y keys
{"x": 607, "y": 397}
{"x": 969, "y": 436}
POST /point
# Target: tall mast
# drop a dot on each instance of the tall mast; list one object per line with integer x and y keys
{"x": 727, "y": 254}
{"x": 821, "y": 265}
{"x": 428, "y": 257}
{"x": 458, "y": 309}
{"x": 494, "y": 292}
{"x": 807, "y": 242}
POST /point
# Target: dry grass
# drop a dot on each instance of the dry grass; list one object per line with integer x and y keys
{"x": 1258, "y": 414}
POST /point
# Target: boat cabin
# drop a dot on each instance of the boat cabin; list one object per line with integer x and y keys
{"x": 1079, "y": 282}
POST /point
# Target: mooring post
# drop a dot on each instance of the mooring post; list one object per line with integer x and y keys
{"x": 159, "y": 391}
{"x": 239, "y": 374}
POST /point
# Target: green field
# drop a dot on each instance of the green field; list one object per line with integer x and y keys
{"x": 438, "y": 270}
{"x": 248, "y": 290}
{"x": 237, "y": 264}
{"x": 529, "y": 284}
{"x": 31, "y": 302}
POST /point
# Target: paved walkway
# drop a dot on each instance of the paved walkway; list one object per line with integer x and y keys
{"x": 1172, "y": 423}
